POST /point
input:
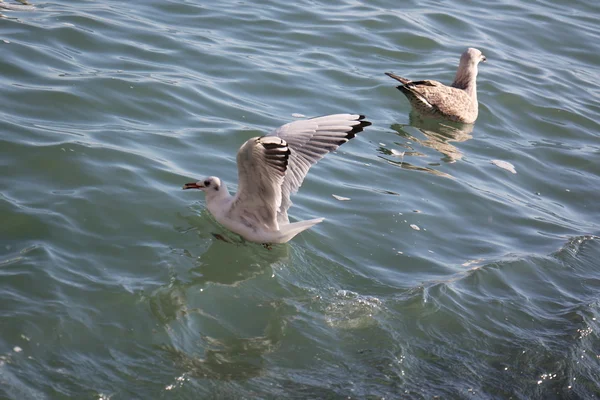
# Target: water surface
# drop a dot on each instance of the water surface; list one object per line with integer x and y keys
{"x": 113, "y": 284}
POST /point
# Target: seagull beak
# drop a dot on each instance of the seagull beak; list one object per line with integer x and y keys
{"x": 192, "y": 185}
{"x": 483, "y": 58}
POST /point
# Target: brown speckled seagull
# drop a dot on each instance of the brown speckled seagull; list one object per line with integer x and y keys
{"x": 457, "y": 102}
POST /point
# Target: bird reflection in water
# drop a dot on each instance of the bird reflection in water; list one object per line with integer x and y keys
{"x": 226, "y": 258}
{"x": 228, "y": 262}
{"x": 218, "y": 348}
{"x": 219, "y": 264}
{"x": 438, "y": 135}
{"x": 227, "y": 358}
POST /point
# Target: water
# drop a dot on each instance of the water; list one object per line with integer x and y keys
{"x": 113, "y": 285}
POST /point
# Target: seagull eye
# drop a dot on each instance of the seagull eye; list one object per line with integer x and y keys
{"x": 207, "y": 183}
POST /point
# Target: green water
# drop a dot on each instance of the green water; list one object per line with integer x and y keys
{"x": 114, "y": 286}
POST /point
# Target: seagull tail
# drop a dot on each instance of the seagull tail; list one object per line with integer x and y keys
{"x": 288, "y": 231}
{"x": 400, "y": 79}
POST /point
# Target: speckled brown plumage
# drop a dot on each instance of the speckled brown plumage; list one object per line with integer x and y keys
{"x": 457, "y": 102}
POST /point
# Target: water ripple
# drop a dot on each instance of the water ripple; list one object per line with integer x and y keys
{"x": 118, "y": 284}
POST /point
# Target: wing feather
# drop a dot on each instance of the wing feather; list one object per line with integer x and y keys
{"x": 262, "y": 164}
{"x": 271, "y": 168}
{"x": 309, "y": 141}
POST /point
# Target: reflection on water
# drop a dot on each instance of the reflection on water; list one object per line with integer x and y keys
{"x": 225, "y": 359}
{"x": 438, "y": 135}
{"x": 218, "y": 264}
{"x": 402, "y": 163}
{"x": 231, "y": 357}
{"x": 215, "y": 348}
{"x": 229, "y": 259}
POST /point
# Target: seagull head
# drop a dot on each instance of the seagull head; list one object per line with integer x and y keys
{"x": 472, "y": 56}
{"x": 208, "y": 185}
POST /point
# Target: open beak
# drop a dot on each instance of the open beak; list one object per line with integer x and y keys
{"x": 192, "y": 185}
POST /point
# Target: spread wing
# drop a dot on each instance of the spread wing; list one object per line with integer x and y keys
{"x": 271, "y": 168}
{"x": 309, "y": 141}
{"x": 262, "y": 164}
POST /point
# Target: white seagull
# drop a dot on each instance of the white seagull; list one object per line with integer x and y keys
{"x": 270, "y": 169}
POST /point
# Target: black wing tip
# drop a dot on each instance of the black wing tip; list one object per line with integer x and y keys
{"x": 274, "y": 156}
{"x": 358, "y": 128}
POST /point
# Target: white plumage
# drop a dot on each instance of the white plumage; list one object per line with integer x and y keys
{"x": 270, "y": 169}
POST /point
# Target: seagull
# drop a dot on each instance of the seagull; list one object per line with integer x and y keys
{"x": 457, "y": 102}
{"x": 270, "y": 169}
